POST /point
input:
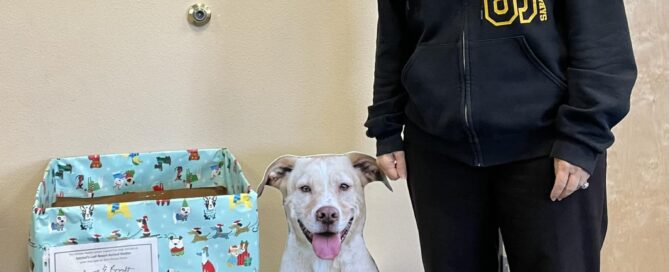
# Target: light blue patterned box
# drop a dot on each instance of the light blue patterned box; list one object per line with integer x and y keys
{"x": 208, "y": 233}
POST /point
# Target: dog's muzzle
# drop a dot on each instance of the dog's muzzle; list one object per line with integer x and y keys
{"x": 326, "y": 245}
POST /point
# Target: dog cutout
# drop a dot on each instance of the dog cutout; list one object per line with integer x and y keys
{"x": 323, "y": 196}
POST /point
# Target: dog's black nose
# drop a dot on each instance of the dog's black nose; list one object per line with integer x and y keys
{"x": 327, "y": 215}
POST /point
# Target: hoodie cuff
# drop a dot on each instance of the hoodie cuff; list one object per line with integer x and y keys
{"x": 576, "y": 154}
{"x": 389, "y": 144}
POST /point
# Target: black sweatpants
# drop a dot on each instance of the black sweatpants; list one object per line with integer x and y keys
{"x": 459, "y": 210}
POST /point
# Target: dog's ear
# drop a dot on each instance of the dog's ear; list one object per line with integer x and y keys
{"x": 367, "y": 166}
{"x": 277, "y": 171}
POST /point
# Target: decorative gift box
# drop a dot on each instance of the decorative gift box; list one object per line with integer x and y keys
{"x": 189, "y": 210}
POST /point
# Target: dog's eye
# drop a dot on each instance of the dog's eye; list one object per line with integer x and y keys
{"x": 344, "y": 187}
{"x": 305, "y": 189}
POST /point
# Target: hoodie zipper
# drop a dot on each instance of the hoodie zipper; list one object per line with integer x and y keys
{"x": 473, "y": 139}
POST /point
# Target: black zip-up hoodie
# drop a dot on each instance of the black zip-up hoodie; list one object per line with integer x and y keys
{"x": 495, "y": 81}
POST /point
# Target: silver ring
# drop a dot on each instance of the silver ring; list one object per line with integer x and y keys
{"x": 585, "y": 185}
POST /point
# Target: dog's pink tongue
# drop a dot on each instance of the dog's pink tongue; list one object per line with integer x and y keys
{"x": 326, "y": 246}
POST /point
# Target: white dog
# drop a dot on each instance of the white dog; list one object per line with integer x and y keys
{"x": 323, "y": 197}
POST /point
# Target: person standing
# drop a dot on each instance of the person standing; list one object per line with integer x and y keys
{"x": 506, "y": 108}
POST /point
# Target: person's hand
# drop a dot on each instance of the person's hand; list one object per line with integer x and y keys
{"x": 393, "y": 165}
{"x": 568, "y": 179}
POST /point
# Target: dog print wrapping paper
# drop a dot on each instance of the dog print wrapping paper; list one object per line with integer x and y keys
{"x": 205, "y": 233}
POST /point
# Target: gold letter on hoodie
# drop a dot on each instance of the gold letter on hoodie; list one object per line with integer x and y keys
{"x": 505, "y": 13}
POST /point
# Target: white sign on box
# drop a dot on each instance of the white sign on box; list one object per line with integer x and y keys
{"x": 139, "y": 255}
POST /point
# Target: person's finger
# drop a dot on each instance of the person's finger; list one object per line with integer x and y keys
{"x": 572, "y": 185}
{"x": 400, "y": 164}
{"x": 584, "y": 179}
{"x": 561, "y": 177}
{"x": 387, "y": 164}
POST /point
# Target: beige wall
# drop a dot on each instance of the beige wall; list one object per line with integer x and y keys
{"x": 638, "y": 183}
{"x": 265, "y": 78}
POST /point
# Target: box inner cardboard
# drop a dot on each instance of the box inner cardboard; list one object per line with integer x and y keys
{"x": 139, "y": 196}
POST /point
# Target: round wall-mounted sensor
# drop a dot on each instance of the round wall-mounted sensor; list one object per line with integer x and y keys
{"x": 199, "y": 14}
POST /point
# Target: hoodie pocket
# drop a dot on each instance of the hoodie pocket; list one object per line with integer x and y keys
{"x": 431, "y": 77}
{"x": 512, "y": 91}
